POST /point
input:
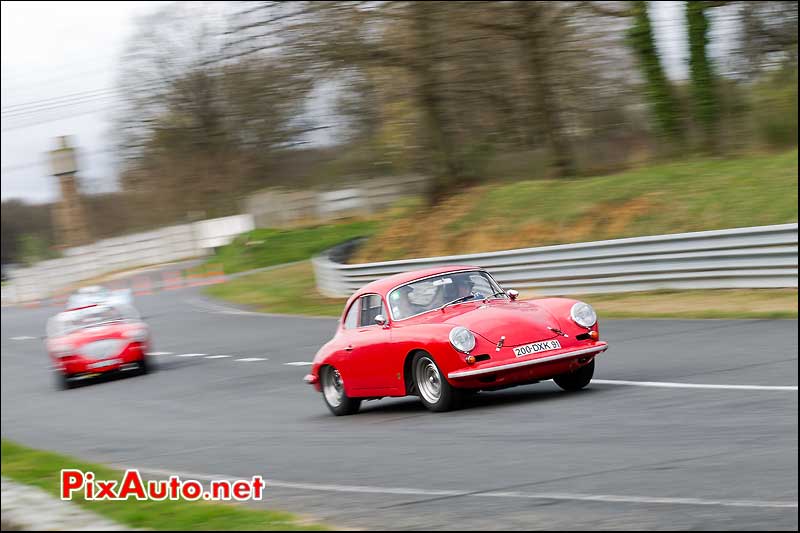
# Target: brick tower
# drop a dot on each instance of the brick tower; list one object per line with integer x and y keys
{"x": 69, "y": 218}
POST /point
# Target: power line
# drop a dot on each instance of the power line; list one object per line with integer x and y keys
{"x": 32, "y": 164}
{"x": 55, "y": 99}
{"x": 97, "y": 95}
{"x": 55, "y": 119}
{"x": 55, "y": 80}
{"x": 57, "y": 105}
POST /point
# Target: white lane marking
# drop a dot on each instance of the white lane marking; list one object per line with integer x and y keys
{"x": 672, "y": 385}
{"x": 23, "y": 338}
{"x": 299, "y": 363}
{"x": 216, "y": 308}
{"x": 614, "y": 498}
{"x": 159, "y": 353}
{"x": 191, "y": 355}
{"x": 248, "y": 359}
{"x": 644, "y": 499}
{"x": 209, "y": 307}
{"x": 217, "y": 356}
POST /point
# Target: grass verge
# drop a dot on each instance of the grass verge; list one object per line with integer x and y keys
{"x": 41, "y": 469}
{"x": 292, "y": 290}
{"x": 269, "y": 246}
{"x": 712, "y": 303}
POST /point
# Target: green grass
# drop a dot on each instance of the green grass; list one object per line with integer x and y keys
{"x": 267, "y": 247}
{"x": 41, "y": 469}
{"x": 714, "y": 303}
{"x": 692, "y": 195}
{"x": 291, "y": 290}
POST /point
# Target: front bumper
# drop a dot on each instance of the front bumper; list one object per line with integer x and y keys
{"x": 511, "y": 366}
{"x": 127, "y": 359}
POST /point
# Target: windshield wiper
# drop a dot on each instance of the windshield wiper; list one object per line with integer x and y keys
{"x": 457, "y": 300}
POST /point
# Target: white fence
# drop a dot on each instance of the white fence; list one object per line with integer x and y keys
{"x": 758, "y": 257}
{"x": 164, "y": 245}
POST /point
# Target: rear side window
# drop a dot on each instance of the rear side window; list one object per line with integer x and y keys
{"x": 371, "y": 306}
{"x": 351, "y": 320}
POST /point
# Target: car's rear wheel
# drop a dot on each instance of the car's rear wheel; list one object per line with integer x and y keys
{"x": 576, "y": 380}
{"x": 433, "y": 389}
{"x": 333, "y": 392}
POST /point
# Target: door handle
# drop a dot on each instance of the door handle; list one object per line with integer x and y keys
{"x": 349, "y": 348}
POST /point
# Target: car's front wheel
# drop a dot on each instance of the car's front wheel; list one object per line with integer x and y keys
{"x": 576, "y": 380}
{"x": 333, "y": 392}
{"x": 63, "y": 382}
{"x": 433, "y": 389}
{"x": 145, "y": 365}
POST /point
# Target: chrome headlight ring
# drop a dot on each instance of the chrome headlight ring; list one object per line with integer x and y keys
{"x": 583, "y": 314}
{"x": 462, "y": 339}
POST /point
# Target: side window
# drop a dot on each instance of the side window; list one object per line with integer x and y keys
{"x": 351, "y": 320}
{"x": 371, "y": 306}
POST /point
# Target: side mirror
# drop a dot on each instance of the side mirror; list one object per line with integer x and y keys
{"x": 512, "y": 294}
{"x": 380, "y": 320}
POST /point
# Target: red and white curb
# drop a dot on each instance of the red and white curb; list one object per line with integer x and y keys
{"x": 30, "y": 508}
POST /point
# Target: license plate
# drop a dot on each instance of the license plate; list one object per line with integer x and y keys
{"x": 103, "y": 364}
{"x": 536, "y": 347}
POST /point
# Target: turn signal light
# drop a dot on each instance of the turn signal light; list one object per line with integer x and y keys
{"x": 470, "y": 359}
{"x": 594, "y": 335}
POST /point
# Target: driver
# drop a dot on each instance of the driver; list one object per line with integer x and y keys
{"x": 401, "y": 304}
{"x": 464, "y": 287}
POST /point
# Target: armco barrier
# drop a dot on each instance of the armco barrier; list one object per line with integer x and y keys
{"x": 757, "y": 257}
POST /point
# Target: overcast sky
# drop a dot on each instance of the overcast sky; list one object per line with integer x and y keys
{"x": 53, "y": 49}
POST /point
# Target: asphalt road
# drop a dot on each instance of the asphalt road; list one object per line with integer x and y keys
{"x": 615, "y": 456}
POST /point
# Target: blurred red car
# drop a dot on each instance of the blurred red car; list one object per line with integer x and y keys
{"x": 97, "y": 339}
{"x": 443, "y": 332}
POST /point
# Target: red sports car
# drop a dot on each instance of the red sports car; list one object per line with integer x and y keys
{"x": 443, "y": 332}
{"x": 96, "y": 339}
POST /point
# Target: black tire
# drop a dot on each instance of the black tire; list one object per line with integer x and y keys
{"x": 431, "y": 386}
{"x": 145, "y": 366}
{"x": 574, "y": 381}
{"x": 63, "y": 382}
{"x": 333, "y": 393}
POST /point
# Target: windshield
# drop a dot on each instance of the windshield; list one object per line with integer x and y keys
{"x": 70, "y": 321}
{"x": 88, "y": 296}
{"x": 432, "y": 293}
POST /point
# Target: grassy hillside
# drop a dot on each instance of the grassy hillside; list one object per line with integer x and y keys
{"x": 267, "y": 247}
{"x": 691, "y": 195}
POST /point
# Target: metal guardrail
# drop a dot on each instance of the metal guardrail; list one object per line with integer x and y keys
{"x": 757, "y": 257}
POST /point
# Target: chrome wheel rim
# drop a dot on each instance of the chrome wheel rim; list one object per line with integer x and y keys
{"x": 333, "y": 387}
{"x": 429, "y": 381}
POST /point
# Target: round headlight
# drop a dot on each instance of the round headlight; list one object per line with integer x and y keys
{"x": 139, "y": 334}
{"x": 62, "y": 349}
{"x": 583, "y": 314}
{"x": 462, "y": 339}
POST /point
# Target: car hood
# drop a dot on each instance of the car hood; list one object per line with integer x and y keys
{"x": 519, "y": 322}
{"x": 95, "y": 333}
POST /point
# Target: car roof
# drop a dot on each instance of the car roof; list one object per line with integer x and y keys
{"x": 384, "y": 285}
